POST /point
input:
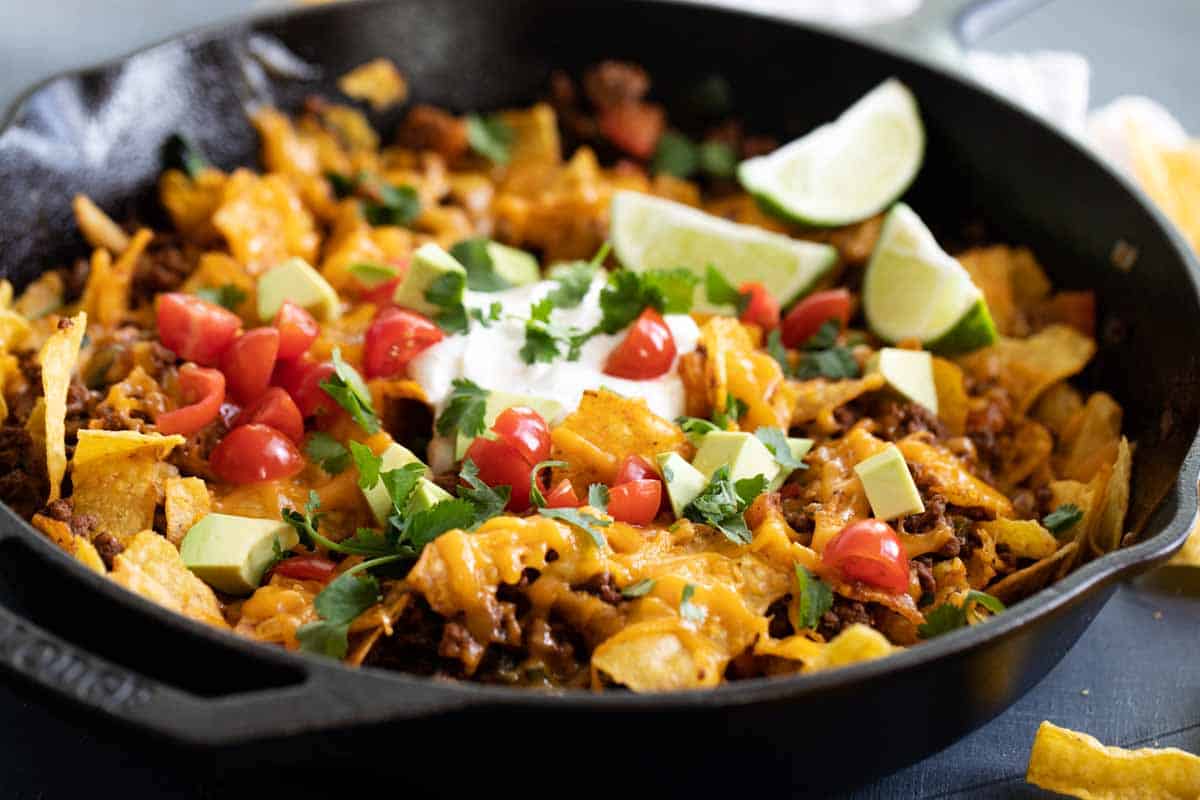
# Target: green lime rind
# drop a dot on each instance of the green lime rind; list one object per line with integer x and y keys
{"x": 973, "y": 331}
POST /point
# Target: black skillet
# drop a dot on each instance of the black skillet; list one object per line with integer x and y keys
{"x": 79, "y": 636}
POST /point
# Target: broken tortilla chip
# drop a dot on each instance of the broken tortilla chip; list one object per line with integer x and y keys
{"x": 187, "y": 500}
{"x": 1110, "y": 523}
{"x": 118, "y": 476}
{"x": 378, "y": 82}
{"x": 1024, "y": 538}
{"x": 1027, "y": 367}
{"x": 58, "y": 358}
{"x": 1076, "y": 764}
{"x": 951, "y": 395}
{"x": 97, "y": 227}
{"x": 151, "y": 567}
{"x": 1035, "y": 577}
{"x": 1090, "y": 442}
{"x": 70, "y": 542}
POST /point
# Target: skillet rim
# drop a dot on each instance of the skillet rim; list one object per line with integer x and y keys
{"x": 1057, "y": 597}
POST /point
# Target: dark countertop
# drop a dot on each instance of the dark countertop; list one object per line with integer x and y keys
{"x": 1132, "y": 679}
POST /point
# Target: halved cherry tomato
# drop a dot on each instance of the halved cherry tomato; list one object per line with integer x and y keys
{"x": 395, "y": 337}
{"x": 381, "y": 296}
{"x": 807, "y": 316}
{"x": 255, "y": 453}
{"x": 203, "y": 392}
{"x": 647, "y": 351}
{"x": 635, "y": 502}
{"x": 247, "y": 363}
{"x": 869, "y": 551}
{"x": 195, "y": 329}
{"x": 634, "y": 468}
{"x": 633, "y": 127}
{"x": 277, "y": 409}
{"x": 563, "y": 496}
{"x": 306, "y": 568}
{"x": 525, "y": 431}
{"x": 302, "y": 379}
{"x": 500, "y": 464}
{"x": 761, "y": 308}
{"x": 297, "y": 330}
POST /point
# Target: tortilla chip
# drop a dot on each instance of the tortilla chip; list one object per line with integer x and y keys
{"x": 1024, "y": 538}
{"x": 1025, "y": 582}
{"x": 192, "y": 202}
{"x": 14, "y": 330}
{"x": 535, "y": 135}
{"x": 1090, "y": 442}
{"x": 264, "y": 221}
{"x": 41, "y": 297}
{"x": 97, "y": 227}
{"x": 659, "y": 655}
{"x": 1076, "y": 764}
{"x": 98, "y": 444}
{"x": 119, "y": 477}
{"x": 951, "y": 395}
{"x": 1028, "y": 449}
{"x": 1058, "y": 407}
{"x": 151, "y": 566}
{"x": 378, "y": 82}
{"x": 818, "y": 398}
{"x": 1027, "y": 367}
{"x": 1110, "y": 523}
{"x": 950, "y": 478}
{"x": 58, "y": 358}
{"x": 735, "y": 367}
{"x": 71, "y": 543}
{"x": 854, "y": 644}
{"x": 187, "y": 500}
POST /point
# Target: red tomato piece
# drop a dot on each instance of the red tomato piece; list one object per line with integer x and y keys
{"x": 276, "y": 409}
{"x": 647, "y": 351}
{"x": 761, "y": 308}
{"x": 807, "y": 316}
{"x": 500, "y": 464}
{"x": 635, "y": 468}
{"x": 869, "y": 551}
{"x": 195, "y": 329}
{"x": 248, "y": 362}
{"x": 525, "y": 431}
{"x": 203, "y": 392}
{"x": 302, "y": 380}
{"x": 381, "y": 296}
{"x": 563, "y": 496}
{"x": 395, "y": 337}
{"x": 306, "y": 568}
{"x": 635, "y": 502}
{"x": 633, "y": 127}
{"x": 255, "y": 453}
{"x": 297, "y": 328}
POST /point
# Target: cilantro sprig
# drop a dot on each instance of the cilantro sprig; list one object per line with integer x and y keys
{"x": 727, "y": 417}
{"x": 823, "y": 357}
{"x": 948, "y": 616}
{"x": 228, "y": 296}
{"x": 447, "y": 292}
{"x": 1063, "y": 518}
{"x": 465, "y": 411}
{"x": 382, "y": 203}
{"x": 678, "y": 155}
{"x": 536, "y": 498}
{"x": 639, "y": 589}
{"x": 490, "y": 136}
{"x": 723, "y": 502}
{"x": 628, "y": 293}
{"x": 814, "y": 599}
{"x": 775, "y": 440}
{"x": 349, "y": 391}
{"x": 488, "y": 501}
{"x": 327, "y": 451}
{"x": 181, "y": 153}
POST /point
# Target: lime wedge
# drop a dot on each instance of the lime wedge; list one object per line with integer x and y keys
{"x": 652, "y": 233}
{"x": 913, "y": 289}
{"x": 846, "y": 170}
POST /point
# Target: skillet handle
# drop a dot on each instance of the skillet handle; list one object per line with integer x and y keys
{"x": 320, "y": 695}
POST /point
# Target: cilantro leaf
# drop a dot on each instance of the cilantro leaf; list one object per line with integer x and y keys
{"x": 446, "y": 292}
{"x": 691, "y": 612}
{"x": 401, "y": 483}
{"x": 390, "y": 205}
{"x": 488, "y": 501}
{"x": 349, "y": 391}
{"x": 490, "y": 137}
{"x": 825, "y": 337}
{"x": 228, "y": 296}
{"x": 466, "y": 410}
{"x": 343, "y": 185}
{"x": 327, "y": 451}
{"x": 695, "y": 428}
{"x": 638, "y": 589}
{"x": 481, "y": 271}
{"x": 545, "y": 341}
{"x": 536, "y": 498}
{"x": 835, "y": 363}
{"x": 675, "y": 287}
{"x": 428, "y": 524}
{"x": 368, "y": 465}
{"x": 776, "y": 441}
{"x": 722, "y": 503}
{"x": 598, "y": 497}
{"x": 948, "y": 616}
{"x": 748, "y": 489}
{"x": 580, "y": 519}
{"x": 627, "y": 293}
{"x": 339, "y": 604}
{"x": 179, "y": 152}
{"x": 727, "y": 417}
{"x": 815, "y": 598}
{"x": 1062, "y": 518}
{"x": 574, "y": 280}
{"x": 367, "y": 542}
{"x": 372, "y": 275}
{"x": 717, "y": 159}
{"x": 718, "y": 289}
{"x": 777, "y": 351}
{"x": 486, "y": 318}
{"x": 676, "y": 155}
{"x": 305, "y": 522}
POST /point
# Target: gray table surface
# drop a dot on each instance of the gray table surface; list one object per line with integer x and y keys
{"x": 1132, "y": 679}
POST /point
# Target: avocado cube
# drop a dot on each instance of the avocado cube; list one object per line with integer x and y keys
{"x": 429, "y": 265}
{"x": 799, "y": 448}
{"x": 296, "y": 281}
{"x": 426, "y": 495}
{"x": 515, "y": 266}
{"x": 230, "y": 553}
{"x": 889, "y": 484}
{"x": 498, "y": 402}
{"x": 743, "y": 452}
{"x": 909, "y": 373}
{"x": 684, "y": 482}
{"x": 393, "y": 457}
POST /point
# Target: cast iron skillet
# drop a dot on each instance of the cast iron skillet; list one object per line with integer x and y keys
{"x": 82, "y": 637}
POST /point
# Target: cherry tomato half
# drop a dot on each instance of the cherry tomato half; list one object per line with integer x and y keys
{"x": 500, "y": 464}
{"x": 395, "y": 337}
{"x": 807, "y": 316}
{"x": 563, "y": 496}
{"x": 276, "y": 409}
{"x": 195, "y": 329}
{"x": 306, "y": 568}
{"x": 761, "y": 309}
{"x": 247, "y": 363}
{"x": 297, "y": 328}
{"x": 255, "y": 453}
{"x": 302, "y": 380}
{"x": 633, "y": 127}
{"x": 381, "y": 296}
{"x": 647, "y": 351}
{"x": 634, "y": 468}
{"x": 869, "y": 551}
{"x": 635, "y": 502}
{"x": 203, "y": 392}
{"x": 525, "y": 431}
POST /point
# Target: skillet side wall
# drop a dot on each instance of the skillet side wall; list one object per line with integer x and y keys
{"x": 99, "y": 133}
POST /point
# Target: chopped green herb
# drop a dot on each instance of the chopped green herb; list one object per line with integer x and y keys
{"x": 339, "y": 604}
{"x": 676, "y": 155}
{"x": 465, "y": 411}
{"x": 372, "y": 275}
{"x": 727, "y": 417}
{"x": 574, "y": 280}
{"x": 490, "y": 136}
{"x": 368, "y": 464}
{"x": 426, "y": 525}
{"x": 327, "y": 451}
{"x": 776, "y": 441}
{"x": 481, "y": 271}
{"x": 390, "y": 205}
{"x": 536, "y": 498}
{"x": 717, "y": 159}
{"x": 446, "y": 292}
{"x": 343, "y": 185}
{"x": 401, "y": 483}
{"x": 349, "y": 391}
{"x": 638, "y": 589}
{"x": 722, "y": 503}
{"x": 488, "y": 501}
{"x": 487, "y": 318}
{"x": 628, "y": 292}
{"x": 695, "y": 428}
{"x": 545, "y": 341}
{"x": 815, "y": 598}
{"x": 228, "y": 296}
{"x": 825, "y": 337}
{"x": 778, "y": 352}
{"x": 948, "y": 616}
{"x": 598, "y": 497}
{"x": 676, "y": 287}
{"x": 718, "y": 289}
{"x": 688, "y": 610}
{"x": 180, "y": 153}
{"x": 582, "y": 520}
{"x": 307, "y": 524}
{"x": 1063, "y": 518}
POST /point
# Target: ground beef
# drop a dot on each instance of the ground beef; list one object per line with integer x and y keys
{"x": 603, "y": 586}
{"x": 780, "y": 626}
{"x": 896, "y": 419}
{"x": 933, "y": 515}
{"x": 847, "y": 416}
{"x": 63, "y": 510}
{"x": 23, "y": 485}
{"x": 429, "y": 128}
{"x": 924, "y": 569}
{"x": 458, "y": 643}
{"x": 191, "y": 457}
{"x": 842, "y": 614}
{"x": 798, "y": 514}
{"x": 81, "y": 407}
{"x": 163, "y": 267}
{"x": 414, "y": 643}
{"x": 615, "y": 83}
{"x": 108, "y": 546}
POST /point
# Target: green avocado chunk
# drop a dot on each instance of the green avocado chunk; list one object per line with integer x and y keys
{"x": 889, "y": 485}
{"x": 909, "y": 373}
{"x": 296, "y": 281}
{"x": 429, "y": 264}
{"x": 231, "y": 553}
{"x": 684, "y": 482}
{"x": 498, "y": 402}
{"x": 394, "y": 457}
{"x": 743, "y": 452}
{"x": 427, "y": 495}
{"x": 492, "y": 267}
